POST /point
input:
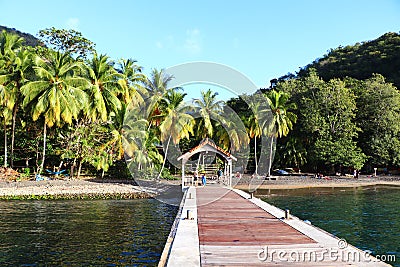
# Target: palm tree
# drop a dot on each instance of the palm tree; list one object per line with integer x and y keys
{"x": 133, "y": 132}
{"x": 282, "y": 119}
{"x": 103, "y": 105}
{"x": 128, "y": 132}
{"x": 10, "y": 46}
{"x": 254, "y": 128}
{"x": 176, "y": 122}
{"x": 258, "y": 122}
{"x": 103, "y": 90}
{"x": 230, "y": 131}
{"x": 157, "y": 87}
{"x": 222, "y": 135}
{"x": 58, "y": 93}
{"x": 132, "y": 91}
{"x": 209, "y": 109}
{"x": 293, "y": 152}
{"x": 5, "y": 112}
{"x": 147, "y": 154}
{"x": 14, "y": 80}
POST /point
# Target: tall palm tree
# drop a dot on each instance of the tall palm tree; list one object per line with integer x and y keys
{"x": 253, "y": 127}
{"x": 58, "y": 93}
{"x": 176, "y": 122}
{"x": 209, "y": 109}
{"x": 5, "y": 113}
{"x": 104, "y": 88}
{"x": 282, "y": 119}
{"x": 10, "y": 46}
{"x": 14, "y": 79}
{"x": 152, "y": 96}
{"x": 157, "y": 87}
{"x": 258, "y": 121}
{"x": 103, "y": 105}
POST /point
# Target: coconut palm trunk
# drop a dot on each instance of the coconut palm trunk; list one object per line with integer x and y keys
{"x": 14, "y": 121}
{"x": 282, "y": 119}
{"x": 73, "y": 168}
{"x": 79, "y": 168}
{"x": 271, "y": 148}
{"x": 255, "y": 154}
{"x": 37, "y": 156}
{"x": 165, "y": 158}
{"x": 44, "y": 148}
{"x": 5, "y": 144}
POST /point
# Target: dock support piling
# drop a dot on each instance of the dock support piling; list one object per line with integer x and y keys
{"x": 287, "y": 214}
{"x": 189, "y": 215}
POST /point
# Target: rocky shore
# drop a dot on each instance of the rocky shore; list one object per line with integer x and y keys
{"x": 71, "y": 189}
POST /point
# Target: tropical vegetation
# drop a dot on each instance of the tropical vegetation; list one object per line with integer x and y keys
{"x": 63, "y": 106}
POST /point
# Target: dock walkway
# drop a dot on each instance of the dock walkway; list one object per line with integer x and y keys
{"x": 231, "y": 229}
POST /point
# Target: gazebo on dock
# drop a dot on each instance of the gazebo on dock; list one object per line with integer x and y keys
{"x": 206, "y": 146}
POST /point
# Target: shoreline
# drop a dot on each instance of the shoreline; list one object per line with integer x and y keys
{"x": 300, "y": 182}
{"x": 128, "y": 189}
{"x": 320, "y": 185}
{"x": 71, "y": 189}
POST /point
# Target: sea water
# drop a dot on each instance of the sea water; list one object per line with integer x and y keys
{"x": 84, "y": 233}
{"x": 366, "y": 217}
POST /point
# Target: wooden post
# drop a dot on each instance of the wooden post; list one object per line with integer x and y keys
{"x": 183, "y": 174}
{"x": 225, "y": 173}
{"x": 287, "y": 214}
{"x": 230, "y": 173}
{"x": 189, "y": 215}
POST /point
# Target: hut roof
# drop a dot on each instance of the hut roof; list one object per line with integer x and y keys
{"x": 207, "y": 145}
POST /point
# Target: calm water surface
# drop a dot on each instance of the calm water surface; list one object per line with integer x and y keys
{"x": 83, "y": 233}
{"x": 367, "y": 217}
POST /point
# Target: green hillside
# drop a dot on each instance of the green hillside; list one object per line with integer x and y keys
{"x": 359, "y": 61}
{"x": 30, "y": 40}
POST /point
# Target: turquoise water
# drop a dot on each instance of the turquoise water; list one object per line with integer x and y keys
{"x": 367, "y": 217}
{"x": 83, "y": 233}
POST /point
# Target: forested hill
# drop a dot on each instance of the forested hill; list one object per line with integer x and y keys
{"x": 359, "y": 61}
{"x": 29, "y": 38}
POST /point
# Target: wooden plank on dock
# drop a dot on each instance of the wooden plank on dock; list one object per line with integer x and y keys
{"x": 232, "y": 220}
{"x": 236, "y": 231}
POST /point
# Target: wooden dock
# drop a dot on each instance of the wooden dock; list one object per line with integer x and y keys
{"x": 229, "y": 228}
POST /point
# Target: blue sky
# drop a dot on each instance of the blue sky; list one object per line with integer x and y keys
{"x": 262, "y": 39}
